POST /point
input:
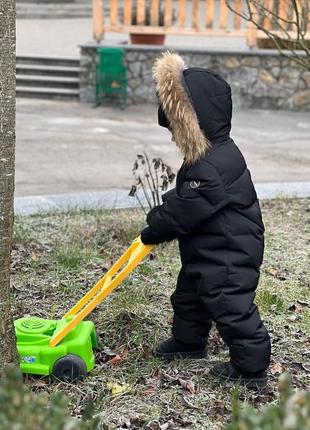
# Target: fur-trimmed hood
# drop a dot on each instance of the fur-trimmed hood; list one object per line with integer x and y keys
{"x": 195, "y": 103}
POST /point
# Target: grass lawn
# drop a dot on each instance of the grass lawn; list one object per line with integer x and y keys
{"x": 58, "y": 256}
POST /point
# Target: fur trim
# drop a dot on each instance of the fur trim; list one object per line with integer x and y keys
{"x": 167, "y": 73}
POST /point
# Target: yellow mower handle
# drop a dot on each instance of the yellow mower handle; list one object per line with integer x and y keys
{"x": 118, "y": 272}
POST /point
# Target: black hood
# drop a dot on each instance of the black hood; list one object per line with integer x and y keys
{"x": 210, "y": 96}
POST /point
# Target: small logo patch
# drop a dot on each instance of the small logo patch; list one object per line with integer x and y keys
{"x": 194, "y": 184}
{"x": 28, "y": 359}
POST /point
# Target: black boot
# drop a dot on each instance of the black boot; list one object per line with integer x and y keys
{"x": 172, "y": 348}
{"x": 227, "y": 372}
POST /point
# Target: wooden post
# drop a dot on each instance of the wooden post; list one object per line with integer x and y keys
{"x": 237, "y": 18}
{"x": 182, "y": 13}
{"x": 113, "y": 12}
{"x": 251, "y": 35}
{"x": 209, "y": 13}
{"x": 195, "y": 17}
{"x": 127, "y": 12}
{"x": 140, "y": 12}
{"x": 268, "y": 17}
{"x": 154, "y": 13}
{"x": 168, "y": 13}
{"x": 223, "y": 14}
{"x": 98, "y": 20}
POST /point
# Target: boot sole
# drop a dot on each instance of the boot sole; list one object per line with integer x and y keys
{"x": 248, "y": 382}
{"x": 182, "y": 354}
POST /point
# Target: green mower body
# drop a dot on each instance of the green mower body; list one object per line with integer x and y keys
{"x": 71, "y": 359}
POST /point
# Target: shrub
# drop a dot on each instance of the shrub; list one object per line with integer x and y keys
{"x": 291, "y": 413}
{"x": 21, "y": 409}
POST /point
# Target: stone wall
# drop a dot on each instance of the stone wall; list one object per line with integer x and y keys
{"x": 258, "y": 78}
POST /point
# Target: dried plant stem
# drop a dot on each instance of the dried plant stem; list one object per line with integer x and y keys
{"x": 145, "y": 192}
{"x": 156, "y": 188}
{"x": 151, "y": 175}
{"x": 150, "y": 188}
{"x": 140, "y": 203}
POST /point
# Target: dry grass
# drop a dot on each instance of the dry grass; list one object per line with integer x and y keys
{"x": 58, "y": 256}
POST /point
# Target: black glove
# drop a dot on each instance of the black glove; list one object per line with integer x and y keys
{"x": 148, "y": 237}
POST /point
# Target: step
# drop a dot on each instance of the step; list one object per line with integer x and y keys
{"x": 44, "y": 2}
{"x": 47, "y": 81}
{"x": 47, "y": 93}
{"x": 47, "y": 70}
{"x": 51, "y": 60}
{"x": 53, "y": 10}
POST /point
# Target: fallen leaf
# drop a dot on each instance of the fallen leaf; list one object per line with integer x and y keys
{"x": 292, "y": 318}
{"x": 166, "y": 426}
{"x": 168, "y": 378}
{"x": 117, "y": 359}
{"x": 296, "y": 307}
{"x": 34, "y": 256}
{"x": 118, "y": 389}
{"x": 276, "y": 273}
{"x": 276, "y": 368}
{"x": 272, "y": 271}
{"x": 187, "y": 385}
{"x": 150, "y": 391}
{"x": 153, "y": 383}
{"x": 153, "y": 425}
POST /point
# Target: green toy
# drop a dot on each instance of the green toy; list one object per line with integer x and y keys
{"x": 69, "y": 360}
{"x": 64, "y": 348}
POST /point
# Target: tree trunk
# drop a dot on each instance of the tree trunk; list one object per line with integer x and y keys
{"x": 7, "y": 169}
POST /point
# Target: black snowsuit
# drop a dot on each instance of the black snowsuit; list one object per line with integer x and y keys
{"x": 215, "y": 215}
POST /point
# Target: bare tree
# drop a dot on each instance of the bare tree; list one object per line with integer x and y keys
{"x": 286, "y": 23}
{"x": 7, "y": 168}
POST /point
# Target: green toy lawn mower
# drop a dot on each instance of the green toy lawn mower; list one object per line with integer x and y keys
{"x": 64, "y": 348}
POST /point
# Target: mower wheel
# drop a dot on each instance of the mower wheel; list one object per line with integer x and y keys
{"x": 70, "y": 368}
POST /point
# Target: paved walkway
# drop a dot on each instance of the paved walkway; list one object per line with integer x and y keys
{"x": 67, "y": 147}
{"x": 119, "y": 199}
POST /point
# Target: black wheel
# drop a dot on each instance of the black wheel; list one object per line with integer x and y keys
{"x": 70, "y": 368}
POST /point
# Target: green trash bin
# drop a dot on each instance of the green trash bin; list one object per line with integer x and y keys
{"x": 111, "y": 76}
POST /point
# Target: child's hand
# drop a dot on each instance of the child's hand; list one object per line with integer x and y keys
{"x": 147, "y": 237}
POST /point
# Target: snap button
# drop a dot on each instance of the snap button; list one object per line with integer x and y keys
{"x": 194, "y": 184}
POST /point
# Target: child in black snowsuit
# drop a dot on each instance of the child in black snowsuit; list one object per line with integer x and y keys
{"x": 215, "y": 215}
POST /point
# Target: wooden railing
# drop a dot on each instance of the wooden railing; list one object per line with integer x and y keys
{"x": 187, "y": 17}
{"x": 195, "y": 17}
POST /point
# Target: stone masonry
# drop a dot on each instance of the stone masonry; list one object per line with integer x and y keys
{"x": 258, "y": 78}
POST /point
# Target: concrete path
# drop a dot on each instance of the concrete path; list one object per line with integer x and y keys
{"x": 67, "y": 147}
{"x": 119, "y": 199}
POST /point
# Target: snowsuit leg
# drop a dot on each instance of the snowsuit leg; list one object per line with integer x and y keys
{"x": 239, "y": 324}
{"x": 190, "y": 323}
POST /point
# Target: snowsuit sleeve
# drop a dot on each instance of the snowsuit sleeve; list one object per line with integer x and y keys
{"x": 185, "y": 209}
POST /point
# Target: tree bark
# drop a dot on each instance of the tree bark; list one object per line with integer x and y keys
{"x": 7, "y": 170}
